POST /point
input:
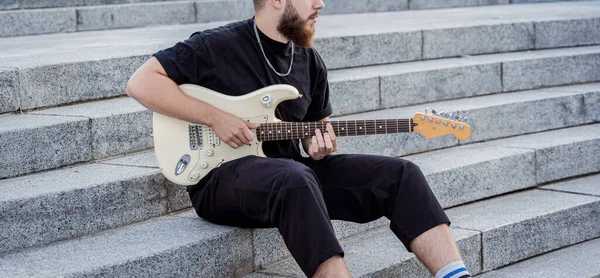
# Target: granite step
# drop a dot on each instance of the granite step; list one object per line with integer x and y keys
{"x": 90, "y": 198}
{"x": 72, "y": 134}
{"x": 357, "y": 6}
{"x": 48, "y": 70}
{"x": 60, "y": 204}
{"x": 177, "y": 245}
{"x": 460, "y": 175}
{"x": 579, "y": 260}
{"x": 101, "y": 129}
{"x": 47, "y": 16}
{"x": 37, "y": 4}
{"x": 62, "y": 136}
{"x": 490, "y": 117}
{"x": 491, "y": 233}
{"x": 402, "y": 84}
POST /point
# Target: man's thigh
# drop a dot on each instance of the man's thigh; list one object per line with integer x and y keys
{"x": 359, "y": 188}
{"x": 243, "y": 192}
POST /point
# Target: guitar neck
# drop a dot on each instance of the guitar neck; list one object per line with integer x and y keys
{"x": 303, "y": 130}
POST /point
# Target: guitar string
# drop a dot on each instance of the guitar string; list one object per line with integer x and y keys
{"x": 348, "y": 132}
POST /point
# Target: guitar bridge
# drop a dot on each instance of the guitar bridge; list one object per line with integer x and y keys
{"x": 195, "y": 132}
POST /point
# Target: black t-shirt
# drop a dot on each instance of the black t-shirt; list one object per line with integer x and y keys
{"x": 228, "y": 59}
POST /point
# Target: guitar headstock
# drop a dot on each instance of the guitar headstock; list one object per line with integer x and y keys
{"x": 440, "y": 124}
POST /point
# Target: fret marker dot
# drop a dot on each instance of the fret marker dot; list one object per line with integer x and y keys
{"x": 380, "y": 127}
{"x": 305, "y": 127}
{"x": 306, "y": 133}
{"x": 289, "y": 131}
{"x": 270, "y": 132}
{"x": 279, "y": 131}
{"x": 360, "y": 127}
{"x": 343, "y": 128}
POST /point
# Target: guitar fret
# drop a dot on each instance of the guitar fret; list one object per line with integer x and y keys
{"x": 374, "y": 131}
{"x": 305, "y": 130}
{"x": 387, "y": 130}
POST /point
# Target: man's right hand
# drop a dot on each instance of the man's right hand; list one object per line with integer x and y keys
{"x": 233, "y": 130}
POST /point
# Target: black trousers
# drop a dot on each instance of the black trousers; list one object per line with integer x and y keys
{"x": 301, "y": 196}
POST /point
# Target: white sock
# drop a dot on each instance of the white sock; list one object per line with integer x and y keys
{"x": 453, "y": 270}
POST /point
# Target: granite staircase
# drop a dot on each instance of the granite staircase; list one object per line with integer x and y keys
{"x": 81, "y": 194}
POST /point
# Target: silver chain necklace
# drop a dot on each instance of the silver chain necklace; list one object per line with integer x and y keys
{"x": 264, "y": 55}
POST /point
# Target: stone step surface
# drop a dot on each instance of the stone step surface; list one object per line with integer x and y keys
{"x": 91, "y": 198}
{"x": 81, "y": 200}
{"x": 72, "y": 134}
{"x": 403, "y": 84}
{"x": 35, "y": 17}
{"x": 181, "y": 244}
{"x": 465, "y": 174}
{"x": 579, "y": 260}
{"x": 355, "y": 6}
{"x": 177, "y": 245}
{"x": 48, "y": 70}
{"x": 379, "y": 253}
{"x": 490, "y": 233}
{"x": 101, "y": 129}
{"x": 490, "y": 117}
{"x": 36, "y": 4}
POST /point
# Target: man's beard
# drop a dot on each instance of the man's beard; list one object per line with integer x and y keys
{"x": 295, "y": 28}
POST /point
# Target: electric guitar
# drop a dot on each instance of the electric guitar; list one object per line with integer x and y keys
{"x": 186, "y": 152}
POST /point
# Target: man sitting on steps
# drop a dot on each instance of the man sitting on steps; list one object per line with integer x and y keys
{"x": 298, "y": 195}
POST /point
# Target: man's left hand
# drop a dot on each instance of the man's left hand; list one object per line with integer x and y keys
{"x": 322, "y": 143}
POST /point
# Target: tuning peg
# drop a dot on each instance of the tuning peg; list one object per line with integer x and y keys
{"x": 465, "y": 119}
{"x": 457, "y": 117}
{"x": 434, "y": 112}
{"x": 441, "y": 113}
{"x": 426, "y": 110}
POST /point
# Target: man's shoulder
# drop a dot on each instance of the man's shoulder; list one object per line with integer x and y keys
{"x": 223, "y": 33}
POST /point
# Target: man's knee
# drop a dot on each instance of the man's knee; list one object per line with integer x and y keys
{"x": 294, "y": 175}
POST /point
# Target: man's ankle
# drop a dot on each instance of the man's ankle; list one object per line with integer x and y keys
{"x": 453, "y": 270}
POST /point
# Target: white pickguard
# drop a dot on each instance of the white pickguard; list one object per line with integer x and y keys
{"x": 184, "y": 160}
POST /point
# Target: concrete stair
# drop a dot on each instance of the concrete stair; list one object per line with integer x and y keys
{"x": 132, "y": 184}
{"x": 50, "y": 70}
{"x": 579, "y": 260}
{"x": 490, "y": 233}
{"x": 81, "y": 194}
{"x": 56, "y": 16}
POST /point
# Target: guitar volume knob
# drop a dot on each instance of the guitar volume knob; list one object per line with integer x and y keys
{"x": 210, "y": 152}
{"x": 203, "y": 164}
{"x": 195, "y": 176}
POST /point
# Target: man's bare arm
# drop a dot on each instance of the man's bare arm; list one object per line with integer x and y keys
{"x": 152, "y": 88}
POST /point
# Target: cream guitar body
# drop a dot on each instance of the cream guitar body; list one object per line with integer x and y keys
{"x": 187, "y": 152}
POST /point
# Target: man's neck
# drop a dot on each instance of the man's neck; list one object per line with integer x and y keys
{"x": 268, "y": 26}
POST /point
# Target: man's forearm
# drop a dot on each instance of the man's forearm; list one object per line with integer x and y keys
{"x": 160, "y": 94}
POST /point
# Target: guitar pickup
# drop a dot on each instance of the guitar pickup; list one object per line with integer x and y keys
{"x": 195, "y": 133}
{"x": 213, "y": 139}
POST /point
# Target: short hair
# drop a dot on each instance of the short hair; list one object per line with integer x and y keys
{"x": 259, "y": 4}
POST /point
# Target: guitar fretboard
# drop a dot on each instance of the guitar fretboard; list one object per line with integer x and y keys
{"x": 302, "y": 130}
